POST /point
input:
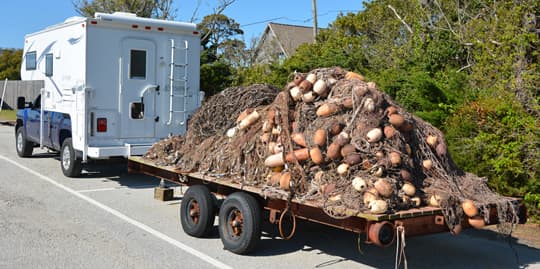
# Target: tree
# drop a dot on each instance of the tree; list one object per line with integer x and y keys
{"x": 216, "y": 29}
{"x": 221, "y": 51}
{"x": 10, "y": 64}
{"x": 161, "y": 9}
{"x": 235, "y": 53}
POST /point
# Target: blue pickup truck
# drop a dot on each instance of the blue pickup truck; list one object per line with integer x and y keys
{"x": 56, "y": 134}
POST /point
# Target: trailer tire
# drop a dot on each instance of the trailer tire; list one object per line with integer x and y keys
{"x": 198, "y": 211}
{"x": 23, "y": 146}
{"x": 240, "y": 223}
{"x": 70, "y": 164}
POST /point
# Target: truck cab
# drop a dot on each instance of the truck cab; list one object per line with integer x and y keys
{"x": 51, "y": 133}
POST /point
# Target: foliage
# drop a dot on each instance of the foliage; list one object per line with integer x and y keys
{"x": 497, "y": 134}
{"x": 470, "y": 68}
{"x": 160, "y": 9}
{"x": 495, "y": 138}
{"x": 532, "y": 201}
{"x": 215, "y": 77}
{"x": 10, "y": 64}
{"x": 221, "y": 52}
{"x": 216, "y": 29}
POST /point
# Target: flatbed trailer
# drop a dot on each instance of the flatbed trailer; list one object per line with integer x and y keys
{"x": 236, "y": 225}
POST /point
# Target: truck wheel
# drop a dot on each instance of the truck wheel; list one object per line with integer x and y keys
{"x": 240, "y": 223}
{"x": 23, "y": 146}
{"x": 197, "y": 211}
{"x": 71, "y": 165}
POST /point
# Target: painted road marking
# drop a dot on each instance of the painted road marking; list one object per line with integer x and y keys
{"x": 125, "y": 218}
{"x": 117, "y": 188}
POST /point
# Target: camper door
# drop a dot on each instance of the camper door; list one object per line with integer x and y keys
{"x": 138, "y": 89}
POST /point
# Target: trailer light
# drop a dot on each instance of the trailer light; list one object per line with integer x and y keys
{"x": 160, "y": 28}
{"x": 134, "y": 26}
{"x": 195, "y": 33}
{"x": 93, "y": 22}
{"x": 102, "y": 125}
{"x": 148, "y": 28}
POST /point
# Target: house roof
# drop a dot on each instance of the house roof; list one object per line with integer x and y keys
{"x": 288, "y": 36}
{"x": 291, "y": 36}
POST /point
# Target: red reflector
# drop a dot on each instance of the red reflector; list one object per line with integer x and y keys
{"x": 195, "y": 32}
{"x": 102, "y": 125}
{"x": 134, "y": 26}
{"x": 147, "y": 27}
{"x": 160, "y": 28}
{"x": 93, "y": 22}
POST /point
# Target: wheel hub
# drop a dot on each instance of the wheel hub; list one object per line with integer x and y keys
{"x": 19, "y": 142}
{"x": 66, "y": 158}
{"x": 194, "y": 211}
{"x": 236, "y": 221}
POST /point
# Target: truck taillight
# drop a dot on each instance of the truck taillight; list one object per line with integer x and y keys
{"x": 102, "y": 125}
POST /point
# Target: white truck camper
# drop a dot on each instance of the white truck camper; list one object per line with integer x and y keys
{"x": 123, "y": 81}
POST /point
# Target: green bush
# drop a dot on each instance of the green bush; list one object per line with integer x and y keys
{"x": 532, "y": 201}
{"x": 494, "y": 137}
{"x": 215, "y": 77}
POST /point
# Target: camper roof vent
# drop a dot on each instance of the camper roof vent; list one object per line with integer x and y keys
{"x": 124, "y": 14}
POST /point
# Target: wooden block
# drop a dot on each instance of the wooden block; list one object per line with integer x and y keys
{"x": 163, "y": 194}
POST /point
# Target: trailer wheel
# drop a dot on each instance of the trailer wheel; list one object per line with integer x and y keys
{"x": 197, "y": 211}
{"x": 71, "y": 165}
{"x": 240, "y": 223}
{"x": 23, "y": 146}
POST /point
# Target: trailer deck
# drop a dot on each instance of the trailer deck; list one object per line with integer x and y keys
{"x": 379, "y": 228}
{"x": 171, "y": 174}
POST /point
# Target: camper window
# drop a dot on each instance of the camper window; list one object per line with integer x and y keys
{"x": 137, "y": 68}
{"x": 30, "y": 60}
{"x": 137, "y": 111}
{"x": 48, "y": 65}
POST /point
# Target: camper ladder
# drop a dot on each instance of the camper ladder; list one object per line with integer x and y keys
{"x": 181, "y": 81}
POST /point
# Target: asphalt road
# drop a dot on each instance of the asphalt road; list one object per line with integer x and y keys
{"x": 109, "y": 219}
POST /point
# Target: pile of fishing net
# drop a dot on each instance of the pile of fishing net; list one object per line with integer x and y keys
{"x": 335, "y": 140}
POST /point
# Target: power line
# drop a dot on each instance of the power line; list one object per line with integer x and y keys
{"x": 298, "y": 20}
{"x": 259, "y": 22}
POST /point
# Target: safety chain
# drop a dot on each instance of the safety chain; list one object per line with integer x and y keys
{"x": 288, "y": 209}
{"x": 400, "y": 248}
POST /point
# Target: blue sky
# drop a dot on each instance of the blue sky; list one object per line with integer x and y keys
{"x": 21, "y": 17}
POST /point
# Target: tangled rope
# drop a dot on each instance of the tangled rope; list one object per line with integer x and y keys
{"x": 374, "y": 157}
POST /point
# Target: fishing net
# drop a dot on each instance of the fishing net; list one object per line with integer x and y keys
{"x": 332, "y": 139}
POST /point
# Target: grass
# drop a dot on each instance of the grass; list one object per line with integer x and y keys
{"x": 8, "y": 115}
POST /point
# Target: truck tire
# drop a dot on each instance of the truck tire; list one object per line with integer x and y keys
{"x": 198, "y": 211}
{"x": 240, "y": 223}
{"x": 23, "y": 146}
{"x": 71, "y": 165}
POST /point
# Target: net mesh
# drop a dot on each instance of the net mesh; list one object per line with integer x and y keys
{"x": 405, "y": 163}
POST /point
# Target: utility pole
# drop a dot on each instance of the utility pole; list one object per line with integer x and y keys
{"x": 315, "y": 27}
